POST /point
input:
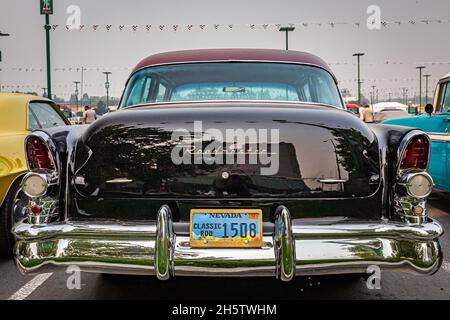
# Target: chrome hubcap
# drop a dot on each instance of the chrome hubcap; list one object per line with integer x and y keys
{"x": 19, "y": 210}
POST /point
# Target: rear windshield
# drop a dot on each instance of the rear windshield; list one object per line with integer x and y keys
{"x": 231, "y": 81}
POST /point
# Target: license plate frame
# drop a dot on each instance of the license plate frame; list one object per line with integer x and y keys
{"x": 246, "y": 215}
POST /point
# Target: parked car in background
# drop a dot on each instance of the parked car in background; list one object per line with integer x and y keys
{"x": 384, "y": 115}
{"x": 229, "y": 162}
{"x": 72, "y": 117}
{"x": 437, "y": 124}
{"x": 19, "y": 115}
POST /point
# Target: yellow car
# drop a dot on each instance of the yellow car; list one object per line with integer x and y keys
{"x": 19, "y": 114}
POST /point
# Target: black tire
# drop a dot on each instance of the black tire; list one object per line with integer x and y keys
{"x": 7, "y": 219}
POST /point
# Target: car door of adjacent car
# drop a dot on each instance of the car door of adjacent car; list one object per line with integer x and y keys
{"x": 438, "y": 127}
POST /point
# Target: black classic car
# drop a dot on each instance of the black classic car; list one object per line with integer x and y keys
{"x": 231, "y": 162}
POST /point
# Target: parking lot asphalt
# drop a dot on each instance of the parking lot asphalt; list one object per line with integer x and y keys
{"x": 394, "y": 285}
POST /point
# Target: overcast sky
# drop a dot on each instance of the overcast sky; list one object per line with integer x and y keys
{"x": 407, "y": 43}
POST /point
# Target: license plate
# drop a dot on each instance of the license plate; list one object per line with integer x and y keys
{"x": 226, "y": 228}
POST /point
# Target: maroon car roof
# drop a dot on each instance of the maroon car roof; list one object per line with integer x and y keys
{"x": 207, "y": 55}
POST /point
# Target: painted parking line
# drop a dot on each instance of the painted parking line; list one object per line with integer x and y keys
{"x": 30, "y": 286}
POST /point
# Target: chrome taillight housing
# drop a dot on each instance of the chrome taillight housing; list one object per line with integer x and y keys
{"x": 413, "y": 184}
{"x": 416, "y": 154}
{"x": 38, "y": 154}
{"x": 42, "y": 182}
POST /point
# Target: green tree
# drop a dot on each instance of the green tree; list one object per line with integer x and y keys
{"x": 101, "y": 108}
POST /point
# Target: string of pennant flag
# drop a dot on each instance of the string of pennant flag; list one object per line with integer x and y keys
{"x": 251, "y": 26}
{"x": 104, "y": 68}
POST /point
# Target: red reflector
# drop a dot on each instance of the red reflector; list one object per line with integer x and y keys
{"x": 38, "y": 155}
{"x": 416, "y": 155}
{"x": 35, "y": 209}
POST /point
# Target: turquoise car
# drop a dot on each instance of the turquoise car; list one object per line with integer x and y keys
{"x": 437, "y": 124}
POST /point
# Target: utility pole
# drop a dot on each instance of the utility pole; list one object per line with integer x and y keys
{"x": 359, "y": 55}
{"x": 107, "y": 73}
{"x": 373, "y": 95}
{"x": 82, "y": 84}
{"x": 427, "y": 76}
{"x": 287, "y": 30}
{"x": 2, "y": 35}
{"x": 420, "y": 85}
{"x": 76, "y": 94}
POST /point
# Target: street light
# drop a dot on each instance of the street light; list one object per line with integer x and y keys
{"x": 405, "y": 96}
{"x": 427, "y": 76}
{"x": 359, "y": 55}
{"x": 373, "y": 95}
{"x": 420, "y": 85}
{"x": 287, "y": 30}
{"x": 107, "y": 73}
{"x": 2, "y": 35}
{"x": 76, "y": 93}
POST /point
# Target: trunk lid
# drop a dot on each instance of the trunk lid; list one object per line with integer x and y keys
{"x": 300, "y": 152}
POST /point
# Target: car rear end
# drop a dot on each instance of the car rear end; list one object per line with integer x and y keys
{"x": 112, "y": 199}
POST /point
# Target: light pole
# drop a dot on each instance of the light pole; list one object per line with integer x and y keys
{"x": 373, "y": 95}
{"x": 359, "y": 55}
{"x": 427, "y": 76}
{"x": 420, "y": 85}
{"x": 287, "y": 30}
{"x": 2, "y": 35}
{"x": 47, "y": 49}
{"x": 76, "y": 94}
{"x": 107, "y": 73}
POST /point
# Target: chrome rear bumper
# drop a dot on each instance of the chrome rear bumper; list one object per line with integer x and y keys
{"x": 295, "y": 248}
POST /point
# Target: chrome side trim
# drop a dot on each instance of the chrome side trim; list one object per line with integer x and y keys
{"x": 439, "y": 137}
{"x": 165, "y": 240}
{"x": 284, "y": 245}
{"x": 331, "y": 181}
